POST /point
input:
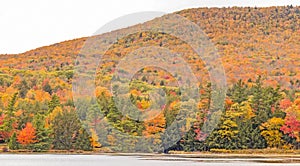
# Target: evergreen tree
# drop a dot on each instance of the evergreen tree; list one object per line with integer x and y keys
{"x": 83, "y": 141}
{"x": 47, "y": 88}
{"x": 265, "y": 101}
{"x": 238, "y": 93}
{"x": 189, "y": 142}
{"x": 23, "y": 88}
{"x": 169, "y": 137}
{"x": 53, "y": 103}
{"x": 9, "y": 122}
{"x": 43, "y": 138}
{"x": 94, "y": 117}
{"x": 250, "y": 137}
{"x": 65, "y": 127}
{"x": 13, "y": 144}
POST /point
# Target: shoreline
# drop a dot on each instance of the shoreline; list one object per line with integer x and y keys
{"x": 181, "y": 155}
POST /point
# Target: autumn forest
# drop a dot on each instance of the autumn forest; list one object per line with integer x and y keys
{"x": 259, "y": 50}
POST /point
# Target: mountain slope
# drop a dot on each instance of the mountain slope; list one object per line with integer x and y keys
{"x": 251, "y": 41}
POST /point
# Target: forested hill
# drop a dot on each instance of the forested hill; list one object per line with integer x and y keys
{"x": 252, "y": 41}
{"x": 259, "y": 49}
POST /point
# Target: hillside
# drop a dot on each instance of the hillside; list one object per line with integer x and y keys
{"x": 259, "y": 49}
{"x": 262, "y": 41}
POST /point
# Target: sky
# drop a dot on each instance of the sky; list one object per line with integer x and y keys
{"x": 28, "y": 24}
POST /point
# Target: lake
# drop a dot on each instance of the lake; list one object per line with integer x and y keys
{"x": 105, "y": 160}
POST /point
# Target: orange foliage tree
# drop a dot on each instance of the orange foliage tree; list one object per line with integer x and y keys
{"x": 27, "y": 135}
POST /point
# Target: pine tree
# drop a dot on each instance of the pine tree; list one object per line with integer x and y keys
{"x": 9, "y": 121}
{"x": 43, "y": 138}
{"x": 238, "y": 93}
{"x": 94, "y": 117}
{"x": 189, "y": 141}
{"x": 53, "y": 103}
{"x": 83, "y": 141}
{"x": 66, "y": 126}
{"x": 250, "y": 137}
{"x": 13, "y": 144}
{"x": 264, "y": 99}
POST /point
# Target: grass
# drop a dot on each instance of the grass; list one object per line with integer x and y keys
{"x": 213, "y": 152}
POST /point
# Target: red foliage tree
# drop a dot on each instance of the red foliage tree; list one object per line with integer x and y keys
{"x": 2, "y": 133}
{"x": 292, "y": 121}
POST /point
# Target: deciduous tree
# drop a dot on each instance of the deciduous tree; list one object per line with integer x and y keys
{"x": 27, "y": 135}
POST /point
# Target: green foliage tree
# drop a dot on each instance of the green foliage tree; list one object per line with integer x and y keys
{"x": 83, "y": 141}
{"x": 239, "y": 92}
{"x": 9, "y": 122}
{"x": 53, "y": 103}
{"x": 13, "y": 144}
{"x": 250, "y": 137}
{"x": 65, "y": 126}
{"x": 23, "y": 88}
{"x": 94, "y": 117}
{"x": 189, "y": 142}
{"x": 47, "y": 88}
{"x": 264, "y": 99}
{"x": 43, "y": 136}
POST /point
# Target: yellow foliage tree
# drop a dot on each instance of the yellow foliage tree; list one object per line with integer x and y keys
{"x": 52, "y": 115}
{"x": 94, "y": 139}
{"x": 271, "y": 132}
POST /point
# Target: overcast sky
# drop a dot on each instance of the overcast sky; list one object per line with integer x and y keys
{"x": 28, "y": 24}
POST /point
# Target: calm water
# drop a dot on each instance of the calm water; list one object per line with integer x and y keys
{"x": 99, "y": 160}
